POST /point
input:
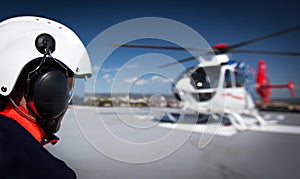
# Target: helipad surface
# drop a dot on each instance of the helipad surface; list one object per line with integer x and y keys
{"x": 127, "y": 143}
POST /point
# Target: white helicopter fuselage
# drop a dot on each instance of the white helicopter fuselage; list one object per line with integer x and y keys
{"x": 227, "y": 94}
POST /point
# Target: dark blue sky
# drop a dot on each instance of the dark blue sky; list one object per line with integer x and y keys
{"x": 217, "y": 21}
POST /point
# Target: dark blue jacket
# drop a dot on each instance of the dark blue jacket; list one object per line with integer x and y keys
{"x": 21, "y": 156}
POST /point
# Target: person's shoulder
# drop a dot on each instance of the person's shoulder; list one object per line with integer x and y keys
{"x": 6, "y": 120}
{"x": 23, "y": 156}
{"x": 10, "y": 128}
{"x": 13, "y": 132}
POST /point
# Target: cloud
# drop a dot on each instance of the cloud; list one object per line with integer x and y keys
{"x": 95, "y": 68}
{"x": 107, "y": 78}
{"x": 141, "y": 82}
{"x": 106, "y": 70}
{"x": 159, "y": 79}
{"x": 136, "y": 81}
{"x": 131, "y": 80}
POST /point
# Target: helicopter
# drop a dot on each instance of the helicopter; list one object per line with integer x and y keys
{"x": 222, "y": 87}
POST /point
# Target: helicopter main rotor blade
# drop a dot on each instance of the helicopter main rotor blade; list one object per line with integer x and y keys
{"x": 179, "y": 61}
{"x": 267, "y": 52}
{"x": 161, "y": 47}
{"x": 264, "y": 37}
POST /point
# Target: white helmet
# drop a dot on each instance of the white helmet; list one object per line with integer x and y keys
{"x": 17, "y": 48}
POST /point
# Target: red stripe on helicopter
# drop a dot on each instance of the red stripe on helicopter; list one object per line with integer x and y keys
{"x": 233, "y": 96}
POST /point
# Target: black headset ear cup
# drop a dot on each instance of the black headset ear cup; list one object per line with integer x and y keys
{"x": 48, "y": 94}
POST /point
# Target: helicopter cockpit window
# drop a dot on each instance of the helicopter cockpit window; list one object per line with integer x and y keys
{"x": 239, "y": 78}
{"x": 206, "y": 77}
{"x": 228, "y": 81}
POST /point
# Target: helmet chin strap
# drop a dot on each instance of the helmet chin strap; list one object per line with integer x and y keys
{"x": 21, "y": 111}
{"x": 47, "y": 126}
{"x": 49, "y": 137}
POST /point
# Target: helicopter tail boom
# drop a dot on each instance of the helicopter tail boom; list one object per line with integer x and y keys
{"x": 264, "y": 86}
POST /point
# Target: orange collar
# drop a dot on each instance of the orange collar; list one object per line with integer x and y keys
{"x": 29, "y": 125}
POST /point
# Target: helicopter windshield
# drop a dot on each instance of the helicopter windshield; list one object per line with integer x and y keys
{"x": 236, "y": 77}
{"x": 206, "y": 77}
{"x": 201, "y": 78}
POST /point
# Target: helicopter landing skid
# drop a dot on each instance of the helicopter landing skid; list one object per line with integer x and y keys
{"x": 237, "y": 121}
{"x": 240, "y": 123}
{"x": 184, "y": 117}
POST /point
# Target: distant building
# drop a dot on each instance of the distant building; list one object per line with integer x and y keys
{"x": 127, "y": 100}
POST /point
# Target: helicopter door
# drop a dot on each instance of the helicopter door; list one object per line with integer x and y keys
{"x": 234, "y": 90}
{"x": 242, "y": 83}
